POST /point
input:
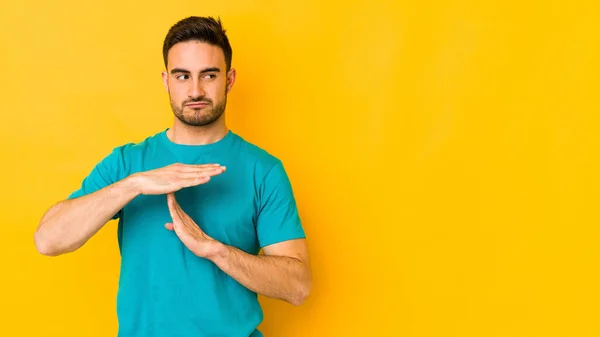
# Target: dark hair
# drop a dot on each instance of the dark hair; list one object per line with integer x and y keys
{"x": 203, "y": 29}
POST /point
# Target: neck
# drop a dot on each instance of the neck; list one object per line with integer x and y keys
{"x": 181, "y": 133}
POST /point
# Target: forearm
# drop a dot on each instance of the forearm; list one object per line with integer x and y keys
{"x": 279, "y": 277}
{"x": 70, "y": 223}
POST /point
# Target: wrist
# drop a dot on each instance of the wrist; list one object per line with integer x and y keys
{"x": 132, "y": 185}
{"x": 219, "y": 252}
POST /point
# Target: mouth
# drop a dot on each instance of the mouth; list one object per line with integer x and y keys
{"x": 197, "y": 105}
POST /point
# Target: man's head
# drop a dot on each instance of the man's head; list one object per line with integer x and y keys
{"x": 198, "y": 74}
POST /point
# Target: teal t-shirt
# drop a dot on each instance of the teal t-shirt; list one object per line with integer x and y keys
{"x": 164, "y": 289}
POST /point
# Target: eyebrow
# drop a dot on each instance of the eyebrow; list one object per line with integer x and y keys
{"x": 185, "y": 71}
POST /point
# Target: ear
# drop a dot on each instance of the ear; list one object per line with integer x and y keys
{"x": 165, "y": 77}
{"x": 230, "y": 79}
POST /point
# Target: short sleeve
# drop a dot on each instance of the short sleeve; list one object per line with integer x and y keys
{"x": 106, "y": 172}
{"x": 278, "y": 219}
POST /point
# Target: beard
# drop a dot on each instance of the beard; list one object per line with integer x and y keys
{"x": 199, "y": 117}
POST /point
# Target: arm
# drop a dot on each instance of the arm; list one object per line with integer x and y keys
{"x": 70, "y": 223}
{"x": 282, "y": 273}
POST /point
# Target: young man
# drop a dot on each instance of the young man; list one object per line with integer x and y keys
{"x": 195, "y": 203}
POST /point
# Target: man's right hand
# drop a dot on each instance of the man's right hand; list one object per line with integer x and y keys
{"x": 174, "y": 177}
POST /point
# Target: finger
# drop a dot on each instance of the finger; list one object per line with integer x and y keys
{"x": 189, "y": 180}
{"x": 194, "y": 168}
{"x": 186, "y": 222}
{"x": 176, "y": 208}
{"x": 194, "y": 182}
{"x": 169, "y": 226}
{"x": 182, "y": 215}
{"x": 190, "y": 175}
{"x": 177, "y": 214}
{"x": 201, "y": 173}
{"x": 194, "y": 165}
{"x": 199, "y": 178}
{"x": 172, "y": 211}
{"x": 183, "y": 223}
{"x": 212, "y": 171}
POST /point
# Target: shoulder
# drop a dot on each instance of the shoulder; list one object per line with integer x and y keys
{"x": 138, "y": 147}
{"x": 268, "y": 170}
{"x": 123, "y": 154}
{"x": 257, "y": 157}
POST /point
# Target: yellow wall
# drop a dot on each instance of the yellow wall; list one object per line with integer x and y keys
{"x": 444, "y": 156}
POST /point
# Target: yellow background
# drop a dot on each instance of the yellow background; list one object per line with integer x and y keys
{"x": 444, "y": 155}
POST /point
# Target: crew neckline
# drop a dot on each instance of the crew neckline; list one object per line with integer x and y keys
{"x": 196, "y": 149}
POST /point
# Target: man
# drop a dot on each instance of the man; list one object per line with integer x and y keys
{"x": 196, "y": 203}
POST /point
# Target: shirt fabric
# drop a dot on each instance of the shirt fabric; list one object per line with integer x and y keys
{"x": 164, "y": 289}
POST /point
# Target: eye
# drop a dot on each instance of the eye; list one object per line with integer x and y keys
{"x": 209, "y": 76}
{"x": 183, "y": 77}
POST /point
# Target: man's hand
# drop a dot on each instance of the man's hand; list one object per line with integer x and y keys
{"x": 174, "y": 177}
{"x": 189, "y": 233}
{"x": 282, "y": 273}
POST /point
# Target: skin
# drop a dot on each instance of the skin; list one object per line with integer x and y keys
{"x": 196, "y": 72}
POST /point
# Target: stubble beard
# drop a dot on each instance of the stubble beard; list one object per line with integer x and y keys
{"x": 199, "y": 116}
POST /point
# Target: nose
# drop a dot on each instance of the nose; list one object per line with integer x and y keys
{"x": 196, "y": 89}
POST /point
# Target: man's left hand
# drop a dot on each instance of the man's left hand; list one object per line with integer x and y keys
{"x": 190, "y": 233}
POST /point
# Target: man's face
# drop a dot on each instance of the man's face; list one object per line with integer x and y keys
{"x": 197, "y": 82}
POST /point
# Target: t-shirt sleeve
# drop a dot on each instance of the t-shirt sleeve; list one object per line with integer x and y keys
{"x": 278, "y": 219}
{"x": 106, "y": 172}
